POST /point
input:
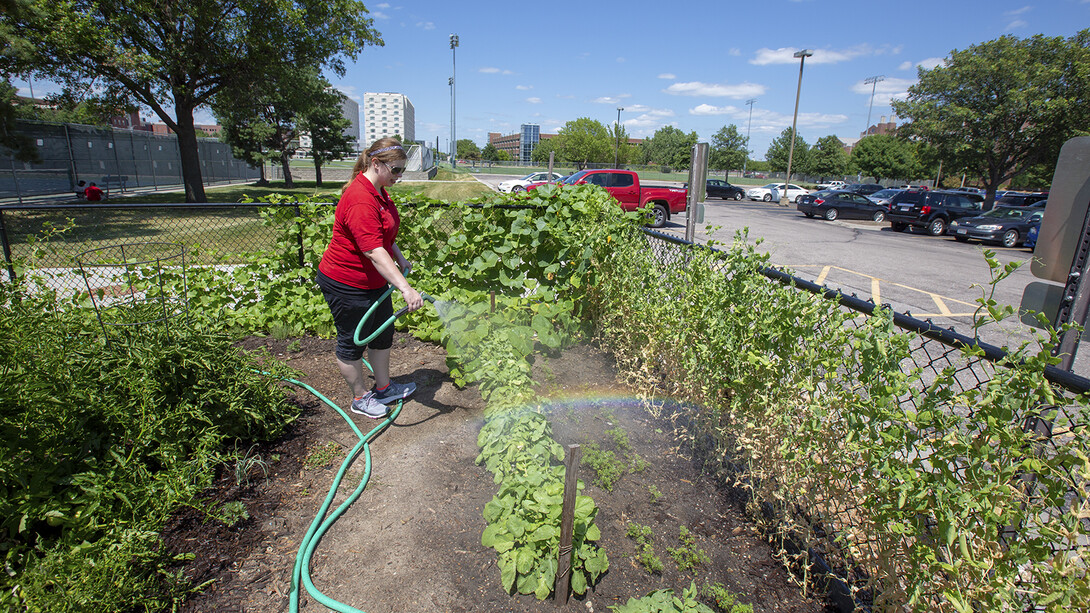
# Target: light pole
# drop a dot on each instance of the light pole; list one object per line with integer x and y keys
{"x": 617, "y": 150}
{"x": 749, "y": 127}
{"x": 873, "y": 82}
{"x": 802, "y": 55}
{"x": 453, "y": 73}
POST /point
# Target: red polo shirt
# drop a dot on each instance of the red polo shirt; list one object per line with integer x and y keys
{"x": 365, "y": 219}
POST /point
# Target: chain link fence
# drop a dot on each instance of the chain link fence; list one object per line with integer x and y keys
{"x": 239, "y": 229}
{"x": 118, "y": 161}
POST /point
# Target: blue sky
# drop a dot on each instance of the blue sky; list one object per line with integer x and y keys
{"x": 689, "y": 64}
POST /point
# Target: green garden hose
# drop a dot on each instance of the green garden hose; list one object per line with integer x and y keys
{"x": 321, "y": 523}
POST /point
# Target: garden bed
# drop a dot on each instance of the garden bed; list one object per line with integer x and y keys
{"x": 412, "y": 540}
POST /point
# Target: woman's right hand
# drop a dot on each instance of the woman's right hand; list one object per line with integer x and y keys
{"x": 412, "y": 299}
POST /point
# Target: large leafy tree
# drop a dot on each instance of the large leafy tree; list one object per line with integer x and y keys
{"x": 827, "y": 158}
{"x": 884, "y": 156}
{"x": 1002, "y": 105}
{"x": 728, "y": 149}
{"x": 584, "y": 141}
{"x": 669, "y": 146}
{"x": 468, "y": 150}
{"x": 326, "y": 124}
{"x": 780, "y": 149}
{"x": 540, "y": 154}
{"x": 174, "y": 57}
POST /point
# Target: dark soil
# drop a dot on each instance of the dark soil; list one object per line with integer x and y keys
{"x": 411, "y": 542}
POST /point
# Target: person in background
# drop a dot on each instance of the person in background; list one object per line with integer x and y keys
{"x": 93, "y": 193}
{"x": 362, "y": 258}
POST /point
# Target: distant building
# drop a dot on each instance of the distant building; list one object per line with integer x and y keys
{"x": 520, "y": 146}
{"x": 206, "y": 130}
{"x": 882, "y": 127}
{"x": 387, "y": 114}
{"x": 351, "y": 110}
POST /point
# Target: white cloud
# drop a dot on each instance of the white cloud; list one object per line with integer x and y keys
{"x": 670, "y": 76}
{"x": 885, "y": 91}
{"x": 1016, "y": 24}
{"x": 771, "y": 122}
{"x": 786, "y": 55}
{"x": 707, "y": 109}
{"x": 927, "y": 64}
{"x": 723, "y": 90}
{"x": 524, "y": 87}
{"x": 534, "y": 100}
{"x": 647, "y": 122}
{"x": 426, "y": 25}
{"x": 621, "y": 60}
{"x": 1021, "y": 11}
{"x": 734, "y": 52}
{"x": 611, "y": 99}
{"x": 493, "y": 70}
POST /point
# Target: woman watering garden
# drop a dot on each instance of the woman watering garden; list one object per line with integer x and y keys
{"x": 362, "y": 258}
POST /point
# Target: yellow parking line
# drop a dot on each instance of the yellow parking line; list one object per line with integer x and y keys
{"x": 942, "y": 305}
{"x": 824, "y": 273}
{"x": 875, "y": 291}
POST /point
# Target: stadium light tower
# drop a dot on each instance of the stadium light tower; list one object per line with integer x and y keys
{"x": 617, "y": 150}
{"x": 802, "y": 55}
{"x": 453, "y": 73}
{"x": 873, "y": 82}
{"x": 745, "y": 160}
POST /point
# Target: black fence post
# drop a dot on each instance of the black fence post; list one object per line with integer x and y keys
{"x": 7, "y": 247}
{"x": 299, "y": 227}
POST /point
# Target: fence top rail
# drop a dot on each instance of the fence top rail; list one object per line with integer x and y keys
{"x": 947, "y": 336}
{"x": 220, "y": 205}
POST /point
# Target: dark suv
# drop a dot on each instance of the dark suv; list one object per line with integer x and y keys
{"x": 931, "y": 210}
{"x": 864, "y": 189}
{"x": 1019, "y": 199}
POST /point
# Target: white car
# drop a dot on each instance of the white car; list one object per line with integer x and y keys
{"x": 518, "y": 185}
{"x": 771, "y": 192}
{"x": 832, "y": 185}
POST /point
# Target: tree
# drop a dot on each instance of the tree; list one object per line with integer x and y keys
{"x": 1002, "y": 105}
{"x": 669, "y": 146}
{"x": 728, "y": 149}
{"x": 584, "y": 141}
{"x": 883, "y": 156}
{"x": 467, "y": 150}
{"x": 622, "y": 151}
{"x": 780, "y": 149}
{"x": 827, "y": 158}
{"x": 326, "y": 124}
{"x": 490, "y": 153}
{"x": 274, "y": 110}
{"x": 174, "y": 57}
{"x": 540, "y": 154}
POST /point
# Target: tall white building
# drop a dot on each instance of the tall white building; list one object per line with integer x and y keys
{"x": 351, "y": 112}
{"x": 387, "y": 114}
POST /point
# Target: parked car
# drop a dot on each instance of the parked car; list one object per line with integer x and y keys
{"x": 920, "y": 187}
{"x": 839, "y": 204}
{"x": 1019, "y": 199}
{"x": 932, "y": 210}
{"x": 771, "y": 192}
{"x": 1005, "y": 225}
{"x": 968, "y": 190}
{"x": 718, "y": 188}
{"x": 835, "y": 185}
{"x": 865, "y": 189}
{"x": 883, "y": 197}
{"x": 518, "y": 185}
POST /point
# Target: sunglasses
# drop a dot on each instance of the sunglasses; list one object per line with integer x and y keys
{"x": 394, "y": 170}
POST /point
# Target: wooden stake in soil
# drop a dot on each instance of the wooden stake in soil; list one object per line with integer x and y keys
{"x": 567, "y": 521}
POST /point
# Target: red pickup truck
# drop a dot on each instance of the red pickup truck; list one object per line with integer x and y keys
{"x": 624, "y": 186}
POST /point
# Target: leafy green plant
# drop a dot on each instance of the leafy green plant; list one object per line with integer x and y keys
{"x": 95, "y": 456}
{"x": 607, "y": 467}
{"x": 645, "y": 550}
{"x": 295, "y": 345}
{"x": 653, "y": 490}
{"x": 665, "y": 601}
{"x": 687, "y": 555}
{"x": 523, "y": 527}
{"x": 246, "y": 463}
{"x": 724, "y": 599}
{"x": 233, "y": 512}
{"x": 321, "y": 455}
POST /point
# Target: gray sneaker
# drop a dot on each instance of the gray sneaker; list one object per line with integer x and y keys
{"x": 393, "y": 393}
{"x": 369, "y": 406}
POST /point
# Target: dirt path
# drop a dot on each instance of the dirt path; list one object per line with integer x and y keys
{"x": 412, "y": 540}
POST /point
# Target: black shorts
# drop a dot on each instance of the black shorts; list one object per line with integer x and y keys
{"x": 348, "y": 305}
